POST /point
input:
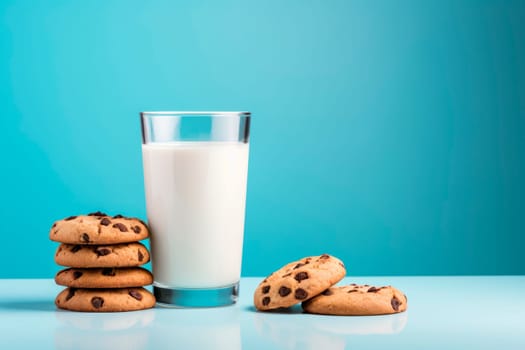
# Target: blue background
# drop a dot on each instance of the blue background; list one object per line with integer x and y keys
{"x": 388, "y": 133}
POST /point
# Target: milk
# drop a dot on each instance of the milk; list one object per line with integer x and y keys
{"x": 195, "y": 198}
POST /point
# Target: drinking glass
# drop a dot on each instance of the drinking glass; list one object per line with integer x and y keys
{"x": 195, "y": 177}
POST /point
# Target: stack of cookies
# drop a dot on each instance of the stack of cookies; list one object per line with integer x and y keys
{"x": 310, "y": 281}
{"x": 103, "y": 256}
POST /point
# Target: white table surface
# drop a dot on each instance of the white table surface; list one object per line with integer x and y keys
{"x": 484, "y": 312}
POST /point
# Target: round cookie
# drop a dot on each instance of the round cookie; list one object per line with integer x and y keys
{"x": 358, "y": 300}
{"x": 104, "y": 277}
{"x": 115, "y": 255}
{"x": 298, "y": 281}
{"x": 105, "y": 300}
{"x": 98, "y": 228}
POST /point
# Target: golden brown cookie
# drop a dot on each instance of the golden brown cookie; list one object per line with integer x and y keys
{"x": 298, "y": 281}
{"x": 104, "y": 277}
{"x": 114, "y": 255}
{"x": 98, "y": 228}
{"x": 357, "y": 300}
{"x": 105, "y": 300}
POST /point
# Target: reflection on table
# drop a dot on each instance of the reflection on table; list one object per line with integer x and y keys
{"x": 319, "y": 331}
{"x": 150, "y": 329}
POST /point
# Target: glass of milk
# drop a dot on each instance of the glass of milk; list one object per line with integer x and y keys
{"x": 195, "y": 175}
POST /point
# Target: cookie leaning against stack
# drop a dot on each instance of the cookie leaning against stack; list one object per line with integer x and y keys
{"x": 298, "y": 281}
{"x": 102, "y": 255}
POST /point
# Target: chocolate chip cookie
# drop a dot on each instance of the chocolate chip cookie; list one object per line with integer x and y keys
{"x": 298, "y": 281}
{"x": 105, "y": 300}
{"x": 357, "y": 300}
{"x": 108, "y": 277}
{"x": 98, "y": 228}
{"x": 114, "y": 255}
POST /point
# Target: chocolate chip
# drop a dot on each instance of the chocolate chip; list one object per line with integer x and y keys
{"x": 70, "y": 293}
{"x": 265, "y": 289}
{"x": 284, "y": 291}
{"x": 373, "y": 290}
{"x": 298, "y": 266}
{"x": 301, "y": 276}
{"x": 327, "y": 292}
{"x": 76, "y": 248}
{"x": 77, "y": 274}
{"x": 353, "y": 284}
{"x": 102, "y": 251}
{"x": 97, "y": 213}
{"x": 97, "y": 302}
{"x": 54, "y": 225}
{"x": 121, "y": 227}
{"x": 70, "y": 218}
{"x": 301, "y": 294}
{"x": 324, "y": 256}
{"x": 85, "y": 237}
{"x": 105, "y": 221}
{"x": 136, "y": 229}
{"x": 108, "y": 271}
{"x": 135, "y": 294}
{"x": 395, "y": 303}
{"x": 141, "y": 256}
{"x": 352, "y": 291}
{"x": 266, "y": 301}
{"x": 118, "y": 216}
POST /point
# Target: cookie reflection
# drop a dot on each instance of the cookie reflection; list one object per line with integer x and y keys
{"x": 101, "y": 331}
{"x": 319, "y": 331}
